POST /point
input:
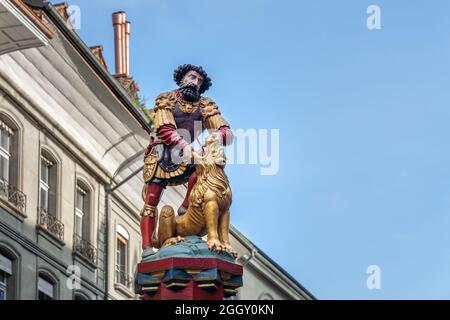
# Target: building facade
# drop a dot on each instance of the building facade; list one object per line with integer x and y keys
{"x": 71, "y": 150}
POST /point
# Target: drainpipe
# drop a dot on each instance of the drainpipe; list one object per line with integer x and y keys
{"x": 246, "y": 258}
{"x": 107, "y": 212}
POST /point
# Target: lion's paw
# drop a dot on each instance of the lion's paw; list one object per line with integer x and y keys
{"x": 215, "y": 245}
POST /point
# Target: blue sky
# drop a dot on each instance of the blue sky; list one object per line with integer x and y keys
{"x": 363, "y": 116}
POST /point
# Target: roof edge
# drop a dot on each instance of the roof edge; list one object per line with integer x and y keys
{"x": 107, "y": 78}
{"x": 23, "y": 7}
{"x": 237, "y": 234}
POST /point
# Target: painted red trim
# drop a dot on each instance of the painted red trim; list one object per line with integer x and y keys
{"x": 190, "y": 263}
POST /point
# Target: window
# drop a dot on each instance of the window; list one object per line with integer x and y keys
{"x": 46, "y": 288}
{"x": 9, "y": 164}
{"x": 45, "y": 168}
{"x": 5, "y": 148}
{"x": 48, "y": 184}
{"x": 82, "y": 212}
{"x": 121, "y": 260}
{"x": 3, "y": 285}
{"x": 48, "y": 218}
{"x": 79, "y": 211}
{"x": 82, "y": 226}
{"x": 6, "y": 273}
{"x": 122, "y": 256}
{"x": 8, "y": 151}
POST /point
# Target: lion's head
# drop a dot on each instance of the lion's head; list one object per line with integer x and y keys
{"x": 210, "y": 171}
{"x": 214, "y": 154}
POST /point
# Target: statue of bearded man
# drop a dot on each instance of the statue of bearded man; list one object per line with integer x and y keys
{"x": 179, "y": 117}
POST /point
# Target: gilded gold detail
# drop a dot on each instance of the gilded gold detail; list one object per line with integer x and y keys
{"x": 149, "y": 211}
{"x": 209, "y": 204}
{"x": 176, "y": 284}
{"x": 158, "y": 274}
{"x": 207, "y": 285}
{"x": 186, "y": 106}
{"x": 150, "y": 288}
{"x": 163, "y": 110}
{"x": 212, "y": 118}
{"x": 230, "y": 290}
{"x": 160, "y": 173}
{"x": 193, "y": 271}
{"x": 150, "y": 165}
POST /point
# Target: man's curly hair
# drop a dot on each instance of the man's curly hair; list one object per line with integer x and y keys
{"x": 181, "y": 71}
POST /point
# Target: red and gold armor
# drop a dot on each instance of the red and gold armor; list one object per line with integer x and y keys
{"x": 171, "y": 115}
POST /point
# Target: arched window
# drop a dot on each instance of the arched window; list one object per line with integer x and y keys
{"x": 48, "y": 191}
{"x": 123, "y": 238}
{"x": 8, "y": 274}
{"x": 48, "y": 183}
{"x": 8, "y": 151}
{"x": 9, "y": 163}
{"x": 83, "y": 211}
{"x": 82, "y": 225}
{"x": 47, "y": 289}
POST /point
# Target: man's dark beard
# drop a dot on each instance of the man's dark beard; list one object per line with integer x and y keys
{"x": 190, "y": 93}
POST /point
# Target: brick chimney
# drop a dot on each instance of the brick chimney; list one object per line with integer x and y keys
{"x": 122, "y": 31}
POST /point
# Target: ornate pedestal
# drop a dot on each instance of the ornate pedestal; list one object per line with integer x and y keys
{"x": 188, "y": 271}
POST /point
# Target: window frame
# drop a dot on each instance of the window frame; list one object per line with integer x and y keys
{"x": 52, "y": 185}
{"x": 121, "y": 265}
{"x": 5, "y": 151}
{"x": 83, "y": 191}
{"x": 13, "y": 284}
{"x": 45, "y": 185}
{"x": 121, "y": 269}
{"x": 15, "y": 170}
{"x": 5, "y": 155}
{"x": 49, "y": 279}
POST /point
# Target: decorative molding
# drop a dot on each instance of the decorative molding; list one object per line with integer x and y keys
{"x": 85, "y": 250}
{"x": 50, "y": 237}
{"x": 51, "y": 225}
{"x": 124, "y": 290}
{"x": 13, "y": 198}
{"x": 12, "y": 210}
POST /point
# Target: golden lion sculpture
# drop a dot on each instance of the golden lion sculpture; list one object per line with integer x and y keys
{"x": 209, "y": 204}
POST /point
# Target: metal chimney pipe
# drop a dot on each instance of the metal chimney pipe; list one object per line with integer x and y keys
{"x": 127, "y": 48}
{"x": 119, "y": 19}
{"x": 122, "y": 44}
